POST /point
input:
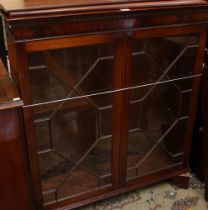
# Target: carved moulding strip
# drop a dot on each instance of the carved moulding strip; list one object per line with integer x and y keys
{"x": 108, "y": 16}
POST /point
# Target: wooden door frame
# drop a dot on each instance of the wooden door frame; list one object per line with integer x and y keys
{"x": 23, "y": 49}
{"x": 153, "y": 33}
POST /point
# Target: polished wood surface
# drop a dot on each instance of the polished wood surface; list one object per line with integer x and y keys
{"x": 9, "y": 97}
{"x": 14, "y": 177}
{"x": 15, "y": 5}
{"x": 21, "y": 8}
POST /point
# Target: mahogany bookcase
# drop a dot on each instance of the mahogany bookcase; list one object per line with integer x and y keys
{"x": 109, "y": 92}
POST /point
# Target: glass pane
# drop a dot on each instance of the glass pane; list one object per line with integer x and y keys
{"x": 163, "y": 58}
{"x": 158, "y": 112}
{"x": 61, "y": 73}
{"x": 74, "y": 137}
{"x": 74, "y": 146}
{"x": 157, "y": 125}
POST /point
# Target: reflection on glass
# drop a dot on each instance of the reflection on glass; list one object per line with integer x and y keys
{"x": 163, "y": 58}
{"x": 74, "y": 137}
{"x": 159, "y": 112}
{"x": 74, "y": 147}
{"x": 82, "y": 70}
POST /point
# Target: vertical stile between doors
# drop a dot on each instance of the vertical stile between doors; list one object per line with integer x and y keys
{"x": 118, "y": 109}
{"x": 125, "y": 113}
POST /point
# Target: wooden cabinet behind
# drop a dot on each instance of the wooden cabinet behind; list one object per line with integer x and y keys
{"x": 14, "y": 177}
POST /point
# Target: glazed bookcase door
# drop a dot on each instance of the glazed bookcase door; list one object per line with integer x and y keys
{"x": 73, "y": 102}
{"x": 163, "y": 69}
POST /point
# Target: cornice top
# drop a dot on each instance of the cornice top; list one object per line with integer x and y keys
{"x": 32, "y": 9}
